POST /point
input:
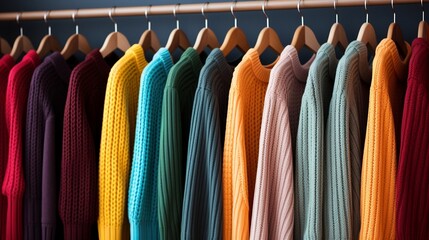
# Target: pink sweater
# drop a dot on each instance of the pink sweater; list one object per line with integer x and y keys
{"x": 272, "y": 216}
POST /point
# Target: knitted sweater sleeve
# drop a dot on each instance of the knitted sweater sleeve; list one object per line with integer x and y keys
{"x": 170, "y": 184}
{"x": 235, "y": 192}
{"x": 272, "y": 215}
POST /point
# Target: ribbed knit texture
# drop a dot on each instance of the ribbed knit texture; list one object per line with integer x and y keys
{"x": 177, "y": 103}
{"x": 412, "y": 183}
{"x": 310, "y": 154}
{"x": 6, "y": 64}
{"x": 345, "y": 136}
{"x": 83, "y": 116}
{"x": 42, "y": 156}
{"x": 202, "y": 201}
{"x": 240, "y": 157}
{"x": 272, "y": 215}
{"x": 381, "y": 151}
{"x": 117, "y": 141}
{"x": 142, "y": 193}
{"x": 16, "y": 107}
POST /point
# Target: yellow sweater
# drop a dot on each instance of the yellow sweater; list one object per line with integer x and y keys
{"x": 117, "y": 137}
{"x": 245, "y": 106}
{"x": 381, "y": 149}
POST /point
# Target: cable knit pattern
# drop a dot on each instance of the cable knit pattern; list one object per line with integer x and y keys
{"x": 6, "y": 64}
{"x": 177, "y": 102}
{"x": 42, "y": 159}
{"x": 117, "y": 139}
{"x": 202, "y": 201}
{"x": 310, "y": 155}
{"x": 245, "y": 106}
{"x": 272, "y": 216}
{"x": 412, "y": 184}
{"x": 142, "y": 194}
{"x": 16, "y": 106}
{"x": 345, "y": 136}
{"x": 382, "y": 142}
{"x": 81, "y": 141}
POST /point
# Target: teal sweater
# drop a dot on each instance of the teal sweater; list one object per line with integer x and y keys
{"x": 142, "y": 194}
{"x": 177, "y": 103}
{"x": 310, "y": 155}
{"x": 345, "y": 136}
{"x": 202, "y": 202}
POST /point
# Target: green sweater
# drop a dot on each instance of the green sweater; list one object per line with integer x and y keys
{"x": 345, "y": 136}
{"x": 310, "y": 145}
{"x": 177, "y": 103}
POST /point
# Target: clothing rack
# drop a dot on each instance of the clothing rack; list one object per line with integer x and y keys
{"x": 192, "y": 8}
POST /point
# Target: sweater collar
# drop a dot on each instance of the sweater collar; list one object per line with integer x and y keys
{"x": 224, "y": 68}
{"x": 33, "y": 57}
{"x": 300, "y": 70}
{"x": 98, "y": 60}
{"x": 261, "y": 72}
{"x": 60, "y": 65}
{"x": 364, "y": 66}
{"x": 328, "y": 50}
{"x": 400, "y": 65}
{"x": 137, "y": 51}
{"x": 8, "y": 61}
{"x": 194, "y": 58}
{"x": 165, "y": 57}
{"x": 420, "y": 48}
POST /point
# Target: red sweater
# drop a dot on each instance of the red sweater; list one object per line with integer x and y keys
{"x": 83, "y": 116}
{"x": 16, "y": 106}
{"x": 412, "y": 182}
{"x": 6, "y": 63}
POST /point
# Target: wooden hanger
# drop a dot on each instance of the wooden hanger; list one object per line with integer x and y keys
{"x": 206, "y": 37}
{"x": 268, "y": 37}
{"x": 304, "y": 36}
{"x": 75, "y": 43}
{"x": 337, "y": 35}
{"x": 115, "y": 40}
{"x": 423, "y": 31}
{"x": 149, "y": 40}
{"x": 394, "y": 32}
{"x": 177, "y": 38}
{"x": 235, "y": 38}
{"x": 367, "y": 34}
{"x": 22, "y": 43}
{"x": 4, "y": 46}
{"x": 49, "y": 43}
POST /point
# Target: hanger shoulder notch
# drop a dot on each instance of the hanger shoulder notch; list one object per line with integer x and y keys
{"x": 268, "y": 38}
{"x": 235, "y": 38}
{"x": 206, "y": 38}
{"x": 21, "y": 44}
{"x": 338, "y": 37}
{"x": 149, "y": 40}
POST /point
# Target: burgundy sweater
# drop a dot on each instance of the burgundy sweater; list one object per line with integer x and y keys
{"x": 16, "y": 106}
{"x": 42, "y": 153}
{"x": 6, "y": 63}
{"x": 83, "y": 117}
{"x": 412, "y": 182}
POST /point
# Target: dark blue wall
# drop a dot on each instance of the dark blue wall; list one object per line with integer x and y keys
{"x": 284, "y": 21}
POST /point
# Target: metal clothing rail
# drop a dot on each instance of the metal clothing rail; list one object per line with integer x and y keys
{"x": 193, "y": 8}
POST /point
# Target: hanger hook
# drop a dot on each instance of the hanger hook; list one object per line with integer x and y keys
{"x": 149, "y": 23}
{"x": 206, "y": 21}
{"x": 263, "y": 10}
{"x": 366, "y": 10}
{"x": 45, "y": 18}
{"x": 300, "y": 13}
{"x": 394, "y": 13}
{"x": 175, "y": 17}
{"x": 21, "y": 29}
{"x": 423, "y": 10}
{"x": 232, "y": 12}
{"x": 336, "y": 11}
{"x": 111, "y": 12}
{"x": 74, "y": 20}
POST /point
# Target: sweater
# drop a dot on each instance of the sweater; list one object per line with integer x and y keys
{"x": 272, "y": 214}
{"x": 81, "y": 141}
{"x": 412, "y": 183}
{"x": 381, "y": 150}
{"x": 117, "y": 139}
{"x": 240, "y": 157}
{"x": 310, "y": 155}
{"x": 177, "y": 102}
{"x": 42, "y": 153}
{"x": 202, "y": 200}
{"x": 16, "y": 106}
{"x": 345, "y": 135}
{"x": 6, "y": 64}
{"x": 142, "y": 193}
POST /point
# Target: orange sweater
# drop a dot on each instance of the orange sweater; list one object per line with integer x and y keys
{"x": 245, "y": 106}
{"x": 381, "y": 149}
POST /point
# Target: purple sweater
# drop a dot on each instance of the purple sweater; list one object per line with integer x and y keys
{"x": 42, "y": 151}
